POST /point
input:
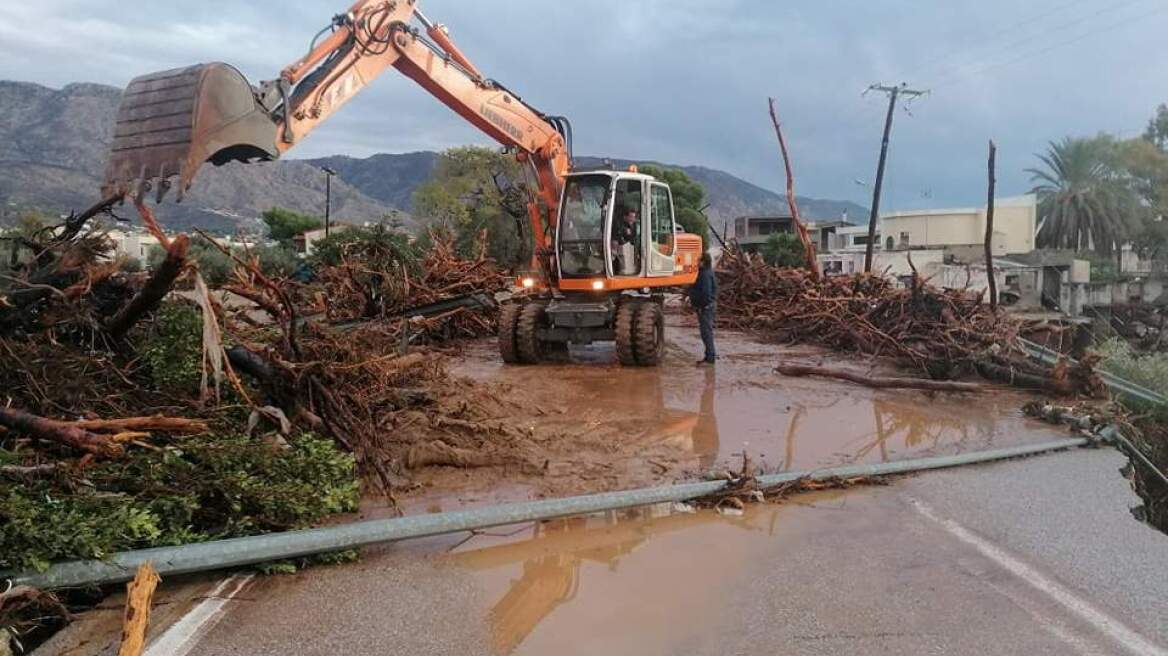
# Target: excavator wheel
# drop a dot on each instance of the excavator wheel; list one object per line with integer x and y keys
{"x": 508, "y": 321}
{"x": 626, "y": 315}
{"x": 527, "y": 342}
{"x": 649, "y": 338}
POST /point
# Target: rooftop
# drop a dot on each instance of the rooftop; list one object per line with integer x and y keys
{"x": 1012, "y": 201}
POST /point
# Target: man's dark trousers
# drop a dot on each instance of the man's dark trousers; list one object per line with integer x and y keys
{"x": 706, "y": 326}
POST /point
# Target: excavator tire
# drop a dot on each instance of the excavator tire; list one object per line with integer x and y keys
{"x": 508, "y": 320}
{"x": 649, "y": 338}
{"x": 527, "y": 342}
{"x": 626, "y": 315}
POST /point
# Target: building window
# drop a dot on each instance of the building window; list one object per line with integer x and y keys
{"x": 904, "y": 240}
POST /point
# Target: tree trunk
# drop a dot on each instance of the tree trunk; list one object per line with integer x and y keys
{"x": 156, "y": 288}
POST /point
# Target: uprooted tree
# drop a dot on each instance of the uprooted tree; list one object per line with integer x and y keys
{"x": 941, "y": 333}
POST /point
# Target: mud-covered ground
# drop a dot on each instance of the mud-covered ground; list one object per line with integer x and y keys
{"x": 587, "y": 424}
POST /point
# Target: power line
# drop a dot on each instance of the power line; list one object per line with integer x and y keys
{"x": 990, "y": 39}
{"x": 1042, "y": 51}
{"x": 1022, "y": 44}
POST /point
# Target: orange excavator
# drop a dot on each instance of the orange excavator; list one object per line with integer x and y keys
{"x": 606, "y": 244}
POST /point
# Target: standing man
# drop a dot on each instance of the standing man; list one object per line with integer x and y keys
{"x": 703, "y": 296}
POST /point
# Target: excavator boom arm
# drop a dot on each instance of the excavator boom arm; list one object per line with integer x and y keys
{"x": 170, "y": 123}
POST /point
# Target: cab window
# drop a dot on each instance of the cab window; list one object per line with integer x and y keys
{"x": 626, "y": 230}
{"x": 661, "y": 219}
{"x": 581, "y": 238}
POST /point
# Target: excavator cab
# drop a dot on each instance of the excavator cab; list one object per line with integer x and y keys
{"x": 618, "y": 250}
{"x": 617, "y": 232}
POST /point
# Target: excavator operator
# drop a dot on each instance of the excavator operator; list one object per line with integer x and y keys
{"x": 625, "y": 239}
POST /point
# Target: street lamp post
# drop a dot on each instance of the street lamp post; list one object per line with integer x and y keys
{"x": 328, "y": 195}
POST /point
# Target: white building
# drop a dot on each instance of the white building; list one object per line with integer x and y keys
{"x": 133, "y": 244}
{"x": 1015, "y": 226}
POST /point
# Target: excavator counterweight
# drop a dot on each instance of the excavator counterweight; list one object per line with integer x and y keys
{"x": 171, "y": 122}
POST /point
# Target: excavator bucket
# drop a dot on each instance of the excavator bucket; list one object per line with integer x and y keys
{"x": 170, "y": 123}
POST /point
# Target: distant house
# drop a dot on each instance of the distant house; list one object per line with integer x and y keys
{"x": 134, "y": 244}
{"x": 853, "y": 238}
{"x": 825, "y": 234}
{"x": 751, "y": 232}
{"x": 961, "y": 230}
{"x": 305, "y": 241}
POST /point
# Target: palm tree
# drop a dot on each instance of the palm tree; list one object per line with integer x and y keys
{"x": 1084, "y": 202}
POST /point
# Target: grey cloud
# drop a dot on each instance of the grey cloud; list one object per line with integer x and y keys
{"x": 685, "y": 80}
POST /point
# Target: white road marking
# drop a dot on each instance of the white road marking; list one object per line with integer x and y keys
{"x": 183, "y": 635}
{"x": 1128, "y": 638}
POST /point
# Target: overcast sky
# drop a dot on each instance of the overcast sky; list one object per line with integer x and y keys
{"x": 686, "y": 81}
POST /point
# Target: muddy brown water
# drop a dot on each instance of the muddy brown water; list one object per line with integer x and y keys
{"x": 553, "y": 583}
{"x": 741, "y": 404}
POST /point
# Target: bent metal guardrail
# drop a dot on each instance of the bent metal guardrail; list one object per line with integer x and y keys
{"x": 1116, "y": 384}
{"x": 239, "y": 552}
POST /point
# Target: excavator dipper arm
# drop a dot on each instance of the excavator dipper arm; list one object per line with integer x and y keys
{"x": 171, "y": 123}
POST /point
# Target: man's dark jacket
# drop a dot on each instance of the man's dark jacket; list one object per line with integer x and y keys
{"x": 705, "y": 289}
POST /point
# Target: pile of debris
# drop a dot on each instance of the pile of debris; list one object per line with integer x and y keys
{"x": 110, "y": 378}
{"x": 342, "y": 362}
{"x": 942, "y": 333}
{"x": 378, "y": 275}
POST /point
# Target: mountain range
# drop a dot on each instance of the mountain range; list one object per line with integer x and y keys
{"x": 52, "y": 152}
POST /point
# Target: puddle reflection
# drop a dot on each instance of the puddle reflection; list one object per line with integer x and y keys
{"x": 551, "y": 562}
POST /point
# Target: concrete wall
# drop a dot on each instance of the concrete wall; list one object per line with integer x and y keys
{"x": 1024, "y": 282}
{"x": 1117, "y": 293}
{"x": 895, "y": 262}
{"x": 1080, "y": 271}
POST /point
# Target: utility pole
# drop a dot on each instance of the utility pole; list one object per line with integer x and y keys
{"x": 894, "y": 94}
{"x": 989, "y": 232}
{"x": 328, "y": 195}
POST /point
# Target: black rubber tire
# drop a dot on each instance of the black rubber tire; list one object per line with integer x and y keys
{"x": 527, "y": 342}
{"x": 626, "y": 316}
{"x": 649, "y": 338}
{"x": 508, "y": 320}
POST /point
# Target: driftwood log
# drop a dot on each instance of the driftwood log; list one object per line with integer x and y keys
{"x": 60, "y": 432}
{"x": 139, "y": 597}
{"x": 879, "y": 381}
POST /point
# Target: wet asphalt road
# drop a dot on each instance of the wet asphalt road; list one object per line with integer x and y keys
{"x": 870, "y": 571}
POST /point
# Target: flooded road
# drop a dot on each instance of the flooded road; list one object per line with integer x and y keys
{"x": 1035, "y": 556}
{"x": 715, "y": 413}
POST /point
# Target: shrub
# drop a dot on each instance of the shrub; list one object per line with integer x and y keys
{"x": 172, "y": 350}
{"x": 276, "y": 261}
{"x": 202, "y": 489}
{"x": 1149, "y": 370}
